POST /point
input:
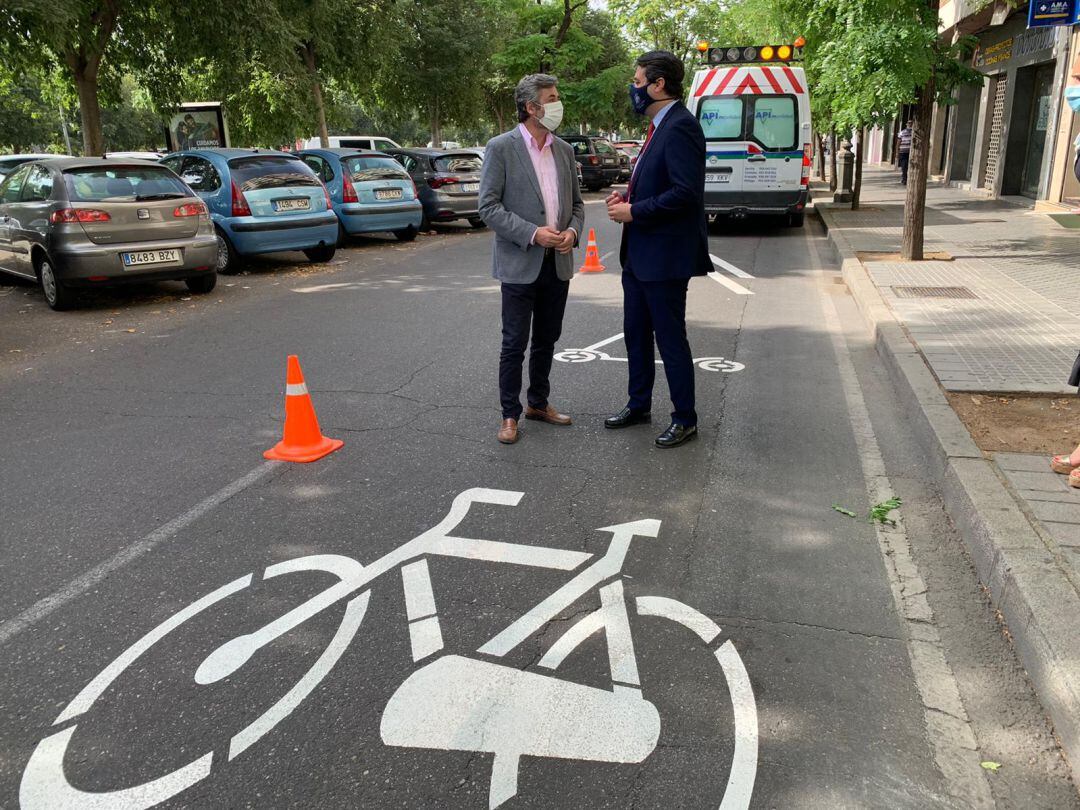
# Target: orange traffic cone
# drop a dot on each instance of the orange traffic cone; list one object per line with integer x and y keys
{"x": 592, "y": 255}
{"x": 302, "y": 439}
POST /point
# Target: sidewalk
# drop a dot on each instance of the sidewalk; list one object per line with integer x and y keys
{"x": 1000, "y": 315}
{"x": 1004, "y": 314}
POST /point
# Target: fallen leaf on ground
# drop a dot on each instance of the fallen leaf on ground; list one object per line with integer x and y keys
{"x": 843, "y": 511}
{"x": 130, "y": 331}
{"x": 991, "y": 766}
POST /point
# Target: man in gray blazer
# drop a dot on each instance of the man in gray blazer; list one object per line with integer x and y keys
{"x": 529, "y": 196}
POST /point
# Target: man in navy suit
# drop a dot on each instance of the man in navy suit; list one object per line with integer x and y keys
{"x": 664, "y": 244}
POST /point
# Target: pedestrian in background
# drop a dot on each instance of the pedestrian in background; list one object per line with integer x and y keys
{"x": 664, "y": 244}
{"x": 904, "y": 152}
{"x": 530, "y": 198}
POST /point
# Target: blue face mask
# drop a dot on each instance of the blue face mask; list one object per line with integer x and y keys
{"x": 640, "y": 98}
{"x": 1072, "y": 95}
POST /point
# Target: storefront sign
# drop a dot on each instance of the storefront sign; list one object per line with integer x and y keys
{"x": 1050, "y": 12}
{"x": 992, "y": 55}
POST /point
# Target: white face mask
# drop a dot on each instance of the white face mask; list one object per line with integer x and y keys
{"x": 552, "y": 117}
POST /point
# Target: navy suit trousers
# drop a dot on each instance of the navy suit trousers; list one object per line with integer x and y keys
{"x": 658, "y": 308}
{"x": 539, "y": 305}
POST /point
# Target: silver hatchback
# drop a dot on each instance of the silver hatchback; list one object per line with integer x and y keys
{"x": 83, "y": 222}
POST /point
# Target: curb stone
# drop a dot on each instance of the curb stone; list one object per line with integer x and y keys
{"x": 1037, "y": 599}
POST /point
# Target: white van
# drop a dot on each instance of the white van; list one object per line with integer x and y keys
{"x": 756, "y": 120}
{"x": 372, "y": 143}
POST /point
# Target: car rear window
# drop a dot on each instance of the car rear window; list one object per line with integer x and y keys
{"x": 458, "y": 163}
{"x": 374, "y": 168}
{"x": 604, "y": 148}
{"x": 123, "y": 183}
{"x": 271, "y": 171}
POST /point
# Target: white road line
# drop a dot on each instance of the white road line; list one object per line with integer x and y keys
{"x": 735, "y": 271}
{"x": 948, "y": 728}
{"x": 80, "y": 585}
{"x": 734, "y": 286}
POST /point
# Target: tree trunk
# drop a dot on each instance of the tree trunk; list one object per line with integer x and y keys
{"x": 307, "y": 53}
{"x": 567, "y": 19}
{"x": 819, "y": 142}
{"x": 858, "y": 170}
{"x": 911, "y": 248}
{"x": 436, "y": 126}
{"x": 832, "y": 160}
{"x": 500, "y": 119}
{"x": 86, "y": 83}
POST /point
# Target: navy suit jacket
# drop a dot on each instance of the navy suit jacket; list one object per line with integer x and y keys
{"x": 668, "y": 238}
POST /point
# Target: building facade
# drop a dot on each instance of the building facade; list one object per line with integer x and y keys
{"x": 1008, "y": 136}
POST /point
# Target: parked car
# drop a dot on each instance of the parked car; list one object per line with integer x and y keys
{"x": 630, "y": 148}
{"x": 8, "y": 163}
{"x": 626, "y": 165}
{"x": 261, "y": 201}
{"x": 370, "y": 192}
{"x": 448, "y": 183}
{"x": 370, "y": 143}
{"x": 87, "y": 222}
{"x": 598, "y": 160}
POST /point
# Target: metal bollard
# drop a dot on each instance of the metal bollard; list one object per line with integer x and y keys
{"x": 845, "y": 166}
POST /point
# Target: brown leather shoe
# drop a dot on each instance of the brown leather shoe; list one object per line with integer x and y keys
{"x": 549, "y": 415}
{"x": 508, "y": 433}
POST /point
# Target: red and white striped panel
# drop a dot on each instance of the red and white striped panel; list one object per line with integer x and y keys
{"x": 756, "y": 79}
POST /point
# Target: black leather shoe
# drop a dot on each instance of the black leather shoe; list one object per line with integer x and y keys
{"x": 627, "y": 417}
{"x": 675, "y": 435}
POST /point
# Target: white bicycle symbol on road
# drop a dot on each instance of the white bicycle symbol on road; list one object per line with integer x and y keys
{"x": 453, "y": 702}
{"x": 590, "y": 353}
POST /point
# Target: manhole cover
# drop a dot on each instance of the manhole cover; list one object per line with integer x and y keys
{"x": 933, "y": 292}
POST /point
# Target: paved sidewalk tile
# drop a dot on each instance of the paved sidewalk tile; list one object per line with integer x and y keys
{"x": 1048, "y": 496}
{"x": 1015, "y": 325}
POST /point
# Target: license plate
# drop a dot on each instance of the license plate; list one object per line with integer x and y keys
{"x": 470, "y": 187}
{"x": 718, "y": 178}
{"x": 297, "y": 204}
{"x": 150, "y": 257}
{"x": 609, "y": 161}
{"x": 388, "y": 194}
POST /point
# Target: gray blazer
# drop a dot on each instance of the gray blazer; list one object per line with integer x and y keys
{"x": 512, "y": 206}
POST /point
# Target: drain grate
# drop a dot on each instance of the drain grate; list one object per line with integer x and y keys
{"x": 933, "y": 292}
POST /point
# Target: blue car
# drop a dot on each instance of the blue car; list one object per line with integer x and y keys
{"x": 260, "y": 201}
{"x": 370, "y": 191}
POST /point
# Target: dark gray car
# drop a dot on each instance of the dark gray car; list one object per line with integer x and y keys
{"x": 447, "y": 182}
{"x": 84, "y": 222}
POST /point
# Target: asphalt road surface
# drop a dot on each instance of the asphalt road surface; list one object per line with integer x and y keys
{"x": 596, "y": 623}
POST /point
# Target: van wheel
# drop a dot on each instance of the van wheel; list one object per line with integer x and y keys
{"x": 796, "y": 220}
{"x": 477, "y": 223}
{"x": 57, "y": 296}
{"x": 228, "y": 260}
{"x": 323, "y": 253}
{"x": 201, "y": 284}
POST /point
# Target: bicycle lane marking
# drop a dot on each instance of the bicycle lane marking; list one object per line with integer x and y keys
{"x": 83, "y": 583}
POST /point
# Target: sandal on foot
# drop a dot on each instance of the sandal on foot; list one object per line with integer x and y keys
{"x": 1061, "y": 464}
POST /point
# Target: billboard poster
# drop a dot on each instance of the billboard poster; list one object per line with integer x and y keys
{"x": 197, "y": 126}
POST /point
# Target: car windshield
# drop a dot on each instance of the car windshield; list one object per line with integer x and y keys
{"x": 458, "y": 163}
{"x": 374, "y": 168}
{"x": 123, "y": 184}
{"x": 271, "y": 171}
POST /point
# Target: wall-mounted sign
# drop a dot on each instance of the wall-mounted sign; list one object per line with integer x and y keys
{"x": 1050, "y": 12}
{"x": 993, "y": 54}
